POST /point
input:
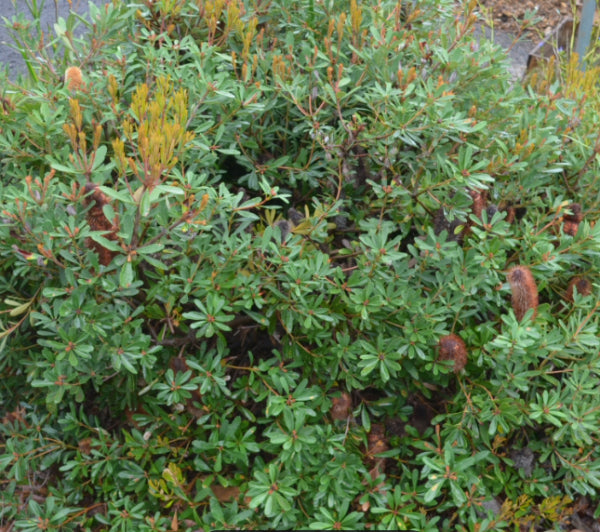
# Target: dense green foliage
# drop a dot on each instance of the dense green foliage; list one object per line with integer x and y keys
{"x": 294, "y": 191}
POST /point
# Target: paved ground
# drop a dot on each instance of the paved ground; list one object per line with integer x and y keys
{"x": 51, "y": 10}
{"x": 518, "y": 52}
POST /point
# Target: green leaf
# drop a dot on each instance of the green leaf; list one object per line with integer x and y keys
{"x": 126, "y": 275}
{"x": 99, "y": 156}
{"x": 434, "y": 490}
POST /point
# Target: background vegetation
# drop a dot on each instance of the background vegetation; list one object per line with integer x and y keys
{"x": 233, "y": 243}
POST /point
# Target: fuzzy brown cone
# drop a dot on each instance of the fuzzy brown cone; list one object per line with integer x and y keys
{"x": 452, "y": 347}
{"x": 99, "y": 222}
{"x": 583, "y": 286}
{"x": 524, "y": 291}
{"x": 571, "y": 221}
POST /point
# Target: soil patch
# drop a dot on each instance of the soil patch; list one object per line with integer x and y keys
{"x": 508, "y": 15}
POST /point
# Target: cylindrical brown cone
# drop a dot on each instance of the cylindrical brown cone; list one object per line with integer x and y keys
{"x": 99, "y": 222}
{"x": 479, "y": 201}
{"x": 524, "y": 291}
{"x": 571, "y": 221}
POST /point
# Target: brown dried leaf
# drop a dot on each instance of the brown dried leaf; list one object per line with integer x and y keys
{"x": 341, "y": 406}
{"x": 225, "y": 494}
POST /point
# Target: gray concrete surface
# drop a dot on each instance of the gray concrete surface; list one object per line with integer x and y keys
{"x": 518, "y": 52}
{"x": 51, "y": 10}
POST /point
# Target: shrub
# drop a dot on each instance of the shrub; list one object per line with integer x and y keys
{"x": 231, "y": 252}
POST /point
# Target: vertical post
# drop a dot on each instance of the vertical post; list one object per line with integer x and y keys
{"x": 584, "y": 34}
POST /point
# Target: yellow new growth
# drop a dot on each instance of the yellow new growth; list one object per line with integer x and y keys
{"x": 157, "y": 132}
{"x": 582, "y": 84}
{"x": 355, "y": 17}
{"x": 222, "y": 17}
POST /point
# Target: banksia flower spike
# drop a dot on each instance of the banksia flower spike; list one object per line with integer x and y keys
{"x": 524, "y": 291}
{"x": 73, "y": 78}
{"x": 452, "y": 347}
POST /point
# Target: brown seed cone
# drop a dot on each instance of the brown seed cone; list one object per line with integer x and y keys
{"x": 570, "y": 228}
{"x": 452, "y": 347}
{"x": 511, "y": 213}
{"x": 583, "y": 286}
{"x": 571, "y": 221}
{"x": 514, "y": 213}
{"x": 524, "y": 291}
{"x": 99, "y": 222}
{"x": 479, "y": 198}
{"x": 576, "y": 214}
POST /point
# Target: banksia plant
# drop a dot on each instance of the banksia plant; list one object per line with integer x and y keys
{"x": 452, "y": 347}
{"x": 524, "y": 291}
{"x": 250, "y": 322}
